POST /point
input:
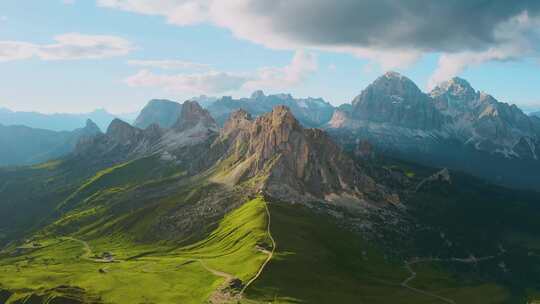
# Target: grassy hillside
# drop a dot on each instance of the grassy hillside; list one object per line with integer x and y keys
{"x": 318, "y": 262}
{"x": 67, "y": 267}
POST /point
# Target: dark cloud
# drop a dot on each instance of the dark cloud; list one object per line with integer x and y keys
{"x": 428, "y": 25}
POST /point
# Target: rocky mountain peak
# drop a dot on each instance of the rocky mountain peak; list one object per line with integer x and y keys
{"x": 91, "y": 127}
{"x": 395, "y": 83}
{"x": 287, "y": 160}
{"x": 257, "y": 94}
{"x": 192, "y": 115}
{"x": 395, "y": 99}
{"x": 122, "y": 132}
{"x": 282, "y": 116}
{"x": 238, "y": 120}
{"x": 162, "y": 112}
{"x": 456, "y": 89}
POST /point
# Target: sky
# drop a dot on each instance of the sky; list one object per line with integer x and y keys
{"x": 80, "y": 55}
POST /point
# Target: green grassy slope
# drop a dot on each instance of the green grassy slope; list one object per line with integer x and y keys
{"x": 318, "y": 262}
{"x": 151, "y": 273}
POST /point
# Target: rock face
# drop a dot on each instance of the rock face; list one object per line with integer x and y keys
{"x": 396, "y": 100}
{"x": 122, "y": 141}
{"x": 292, "y": 163}
{"x": 478, "y": 119}
{"x": 192, "y": 115}
{"x": 164, "y": 113}
{"x": 311, "y": 112}
{"x": 454, "y": 125}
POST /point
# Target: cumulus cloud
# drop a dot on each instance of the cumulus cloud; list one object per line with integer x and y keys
{"x": 302, "y": 65}
{"x": 212, "y": 82}
{"x": 202, "y": 83}
{"x": 521, "y": 36}
{"x": 169, "y": 64}
{"x": 70, "y": 46}
{"x": 394, "y": 33}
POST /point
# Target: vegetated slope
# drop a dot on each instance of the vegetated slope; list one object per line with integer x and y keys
{"x": 322, "y": 262}
{"x": 71, "y": 270}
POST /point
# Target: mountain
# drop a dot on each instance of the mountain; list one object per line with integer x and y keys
{"x": 488, "y": 125}
{"x": 311, "y": 112}
{"x": 291, "y": 162}
{"x": 262, "y": 210}
{"x": 452, "y": 126}
{"x": 537, "y": 114}
{"x": 204, "y": 101}
{"x": 24, "y": 145}
{"x": 162, "y": 112}
{"x": 57, "y": 121}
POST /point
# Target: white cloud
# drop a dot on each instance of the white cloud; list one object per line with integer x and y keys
{"x": 169, "y": 64}
{"x": 68, "y": 2}
{"x": 179, "y": 12}
{"x": 70, "y": 46}
{"x": 236, "y": 15}
{"x": 520, "y": 39}
{"x": 393, "y": 34}
{"x": 201, "y": 83}
{"x": 302, "y": 65}
{"x": 3, "y": 18}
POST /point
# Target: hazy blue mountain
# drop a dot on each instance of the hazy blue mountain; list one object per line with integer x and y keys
{"x": 162, "y": 112}
{"x": 311, "y": 112}
{"x": 58, "y": 121}
{"x": 537, "y": 114}
{"x": 22, "y": 145}
{"x": 204, "y": 101}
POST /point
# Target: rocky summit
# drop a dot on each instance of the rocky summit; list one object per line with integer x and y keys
{"x": 454, "y": 125}
{"x": 290, "y": 160}
{"x": 162, "y": 112}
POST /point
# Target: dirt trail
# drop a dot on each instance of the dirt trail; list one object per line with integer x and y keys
{"x": 270, "y": 253}
{"x": 408, "y": 266}
{"x": 227, "y": 276}
{"x": 406, "y": 282}
{"x": 88, "y": 253}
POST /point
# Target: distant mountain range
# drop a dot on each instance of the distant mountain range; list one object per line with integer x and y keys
{"x": 311, "y": 112}
{"x": 452, "y": 126}
{"x": 23, "y": 145}
{"x": 537, "y": 114}
{"x": 59, "y": 121}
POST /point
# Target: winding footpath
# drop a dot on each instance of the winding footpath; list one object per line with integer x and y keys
{"x": 408, "y": 266}
{"x": 87, "y": 255}
{"x": 270, "y": 253}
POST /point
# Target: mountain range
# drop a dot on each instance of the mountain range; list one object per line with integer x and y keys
{"x": 58, "y": 121}
{"x": 452, "y": 126}
{"x": 24, "y": 145}
{"x": 263, "y": 209}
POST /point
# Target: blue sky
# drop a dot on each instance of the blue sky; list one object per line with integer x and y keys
{"x": 212, "y": 55}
